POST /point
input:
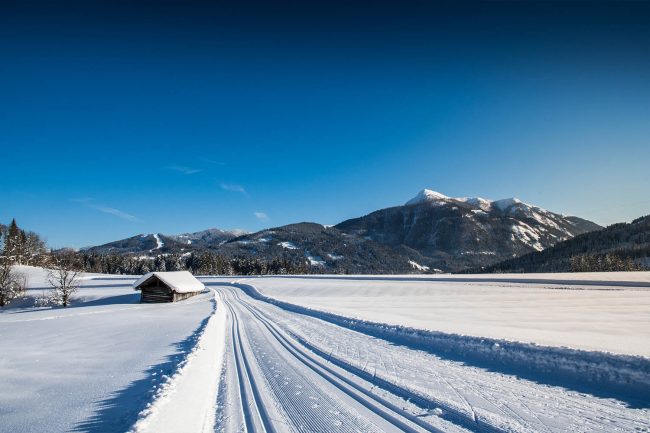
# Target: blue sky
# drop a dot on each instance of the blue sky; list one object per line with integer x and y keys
{"x": 121, "y": 118}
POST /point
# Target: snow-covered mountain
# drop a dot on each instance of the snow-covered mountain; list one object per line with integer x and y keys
{"x": 208, "y": 237}
{"x": 454, "y": 233}
{"x": 158, "y": 243}
{"x": 431, "y": 231}
{"x": 324, "y": 249}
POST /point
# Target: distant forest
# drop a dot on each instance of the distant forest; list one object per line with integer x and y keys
{"x": 21, "y": 247}
{"x": 619, "y": 247}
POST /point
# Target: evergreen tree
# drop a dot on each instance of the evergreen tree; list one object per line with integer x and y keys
{"x": 13, "y": 247}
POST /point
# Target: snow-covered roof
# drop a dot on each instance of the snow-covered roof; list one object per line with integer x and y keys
{"x": 179, "y": 281}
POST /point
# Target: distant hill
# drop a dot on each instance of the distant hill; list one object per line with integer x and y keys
{"x": 430, "y": 233}
{"x": 617, "y": 247}
{"x": 325, "y": 249}
{"x": 157, "y": 243}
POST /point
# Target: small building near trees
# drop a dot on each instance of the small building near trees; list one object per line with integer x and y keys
{"x": 167, "y": 286}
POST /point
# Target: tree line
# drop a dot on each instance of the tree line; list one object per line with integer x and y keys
{"x": 602, "y": 263}
{"x": 198, "y": 263}
{"x": 18, "y": 247}
{"x": 21, "y": 247}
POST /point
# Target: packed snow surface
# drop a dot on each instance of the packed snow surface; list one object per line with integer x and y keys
{"x": 547, "y": 309}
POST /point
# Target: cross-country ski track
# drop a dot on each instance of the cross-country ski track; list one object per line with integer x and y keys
{"x": 286, "y": 371}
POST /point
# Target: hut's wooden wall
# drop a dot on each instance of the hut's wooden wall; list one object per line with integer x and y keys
{"x": 181, "y": 296}
{"x": 155, "y": 291}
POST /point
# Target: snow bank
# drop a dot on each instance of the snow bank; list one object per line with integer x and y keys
{"x": 587, "y": 370}
{"x": 186, "y": 401}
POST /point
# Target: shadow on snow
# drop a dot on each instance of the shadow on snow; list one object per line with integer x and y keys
{"x": 118, "y": 412}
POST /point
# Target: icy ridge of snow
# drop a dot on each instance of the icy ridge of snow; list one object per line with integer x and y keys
{"x": 512, "y": 203}
{"x": 505, "y": 203}
{"x": 593, "y": 369}
{"x": 427, "y": 195}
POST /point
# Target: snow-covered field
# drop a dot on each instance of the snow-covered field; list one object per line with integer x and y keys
{"x": 308, "y": 374}
{"x": 286, "y": 355}
{"x": 590, "y": 311}
{"x": 95, "y": 365}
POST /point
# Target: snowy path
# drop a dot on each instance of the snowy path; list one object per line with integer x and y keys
{"x": 280, "y": 386}
{"x": 290, "y": 372}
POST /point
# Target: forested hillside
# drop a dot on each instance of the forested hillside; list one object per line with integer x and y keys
{"x": 619, "y": 247}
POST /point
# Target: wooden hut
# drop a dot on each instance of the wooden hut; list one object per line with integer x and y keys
{"x": 167, "y": 286}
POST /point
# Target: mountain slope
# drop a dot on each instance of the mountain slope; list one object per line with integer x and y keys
{"x": 325, "y": 249}
{"x": 455, "y": 233}
{"x": 621, "y": 242}
{"x": 166, "y": 244}
{"x": 430, "y": 232}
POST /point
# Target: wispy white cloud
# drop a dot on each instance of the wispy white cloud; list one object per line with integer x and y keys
{"x": 91, "y": 204}
{"x": 116, "y": 212}
{"x": 261, "y": 216}
{"x": 232, "y": 187}
{"x": 184, "y": 169}
{"x": 212, "y": 161}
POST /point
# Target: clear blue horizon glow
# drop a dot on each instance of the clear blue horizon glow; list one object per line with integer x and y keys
{"x": 121, "y": 118}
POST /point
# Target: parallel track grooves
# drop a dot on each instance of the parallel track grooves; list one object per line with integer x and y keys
{"x": 378, "y": 405}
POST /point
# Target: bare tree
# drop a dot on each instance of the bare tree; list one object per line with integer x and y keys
{"x": 12, "y": 283}
{"x": 34, "y": 249}
{"x": 64, "y": 277}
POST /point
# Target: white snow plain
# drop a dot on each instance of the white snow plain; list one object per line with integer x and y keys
{"x": 96, "y": 365}
{"x": 294, "y": 369}
{"x": 295, "y": 360}
{"x": 607, "y": 312}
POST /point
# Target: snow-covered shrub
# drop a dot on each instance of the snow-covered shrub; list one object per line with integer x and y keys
{"x": 64, "y": 277}
{"x": 12, "y": 283}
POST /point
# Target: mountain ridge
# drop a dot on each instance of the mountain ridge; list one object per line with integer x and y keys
{"x": 430, "y": 232}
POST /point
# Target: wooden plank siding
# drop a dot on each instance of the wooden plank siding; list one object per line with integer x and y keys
{"x": 181, "y": 296}
{"x": 154, "y": 290}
